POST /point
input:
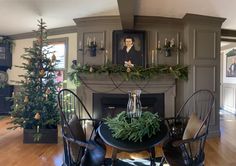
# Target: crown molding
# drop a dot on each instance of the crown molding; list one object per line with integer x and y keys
{"x": 50, "y": 32}
{"x": 195, "y": 18}
{"x": 87, "y": 21}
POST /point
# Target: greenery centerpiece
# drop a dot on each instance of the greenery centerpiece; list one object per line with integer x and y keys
{"x": 133, "y": 129}
{"x": 35, "y": 105}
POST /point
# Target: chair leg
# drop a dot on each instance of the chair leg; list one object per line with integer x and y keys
{"x": 152, "y": 156}
{"x": 162, "y": 161}
{"x": 114, "y": 156}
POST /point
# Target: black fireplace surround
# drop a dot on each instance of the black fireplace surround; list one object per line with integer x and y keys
{"x": 105, "y": 104}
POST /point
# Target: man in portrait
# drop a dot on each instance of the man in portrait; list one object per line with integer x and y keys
{"x": 232, "y": 69}
{"x": 129, "y": 53}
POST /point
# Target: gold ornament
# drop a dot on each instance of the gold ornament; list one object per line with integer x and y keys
{"x": 48, "y": 91}
{"x": 41, "y": 73}
{"x": 37, "y": 116}
{"x": 29, "y": 61}
{"x": 39, "y": 40}
{"x": 53, "y": 57}
{"x": 46, "y": 97}
{"x": 26, "y": 100}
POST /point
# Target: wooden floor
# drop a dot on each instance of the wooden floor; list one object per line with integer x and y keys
{"x": 219, "y": 151}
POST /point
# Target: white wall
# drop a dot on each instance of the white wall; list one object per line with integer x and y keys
{"x": 18, "y": 50}
{"x": 228, "y": 84}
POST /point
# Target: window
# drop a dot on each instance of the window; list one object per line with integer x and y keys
{"x": 59, "y": 47}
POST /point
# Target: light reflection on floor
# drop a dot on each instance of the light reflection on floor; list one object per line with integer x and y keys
{"x": 228, "y": 116}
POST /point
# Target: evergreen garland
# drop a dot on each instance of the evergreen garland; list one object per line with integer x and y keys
{"x": 132, "y": 73}
{"x": 35, "y": 105}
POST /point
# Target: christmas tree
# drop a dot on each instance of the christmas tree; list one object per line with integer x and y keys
{"x": 35, "y": 105}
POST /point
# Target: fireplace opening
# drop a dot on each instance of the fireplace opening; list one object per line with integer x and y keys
{"x": 111, "y": 104}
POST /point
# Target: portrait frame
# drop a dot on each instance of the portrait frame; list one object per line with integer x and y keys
{"x": 118, "y": 37}
{"x": 231, "y": 63}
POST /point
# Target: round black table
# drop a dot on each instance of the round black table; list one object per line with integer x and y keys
{"x": 147, "y": 144}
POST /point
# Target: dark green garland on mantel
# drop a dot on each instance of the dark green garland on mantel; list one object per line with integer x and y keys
{"x": 134, "y": 73}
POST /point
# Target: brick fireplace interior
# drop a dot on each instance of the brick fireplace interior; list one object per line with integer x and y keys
{"x": 111, "y": 104}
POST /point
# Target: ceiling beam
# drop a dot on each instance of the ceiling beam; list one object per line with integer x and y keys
{"x": 126, "y": 9}
{"x": 228, "y": 32}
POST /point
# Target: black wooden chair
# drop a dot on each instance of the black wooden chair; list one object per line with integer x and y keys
{"x": 82, "y": 145}
{"x": 188, "y": 131}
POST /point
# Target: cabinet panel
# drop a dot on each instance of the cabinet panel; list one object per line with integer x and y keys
{"x": 5, "y": 105}
{"x": 5, "y": 56}
{"x": 204, "y": 44}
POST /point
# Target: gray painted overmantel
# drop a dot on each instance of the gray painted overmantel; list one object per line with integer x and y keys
{"x": 199, "y": 34}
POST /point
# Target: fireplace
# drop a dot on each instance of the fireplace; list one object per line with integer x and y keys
{"x": 111, "y": 104}
{"x": 101, "y": 96}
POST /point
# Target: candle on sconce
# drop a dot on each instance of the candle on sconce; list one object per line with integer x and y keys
{"x": 102, "y": 44}
{"x": 180, "y": 45}
{"x": 134, "y": 97}
{"x": 172, "y": 42}
{"x": 94, "y": 40}
{"x": 159, "y": 44}
{"x": 165, "y": 41}
{"x": 80, "y": 45}
{"x": 106, "y": 56}
{"x": 87, "y": 41}
{"x": 153, "y": 56}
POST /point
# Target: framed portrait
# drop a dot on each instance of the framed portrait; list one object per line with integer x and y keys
{"x": 231, "y": 63}
{"x": 128, "y": 46}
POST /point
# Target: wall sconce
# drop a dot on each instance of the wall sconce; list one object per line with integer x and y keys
{"x": 92, "y": 46}
{"x": 169, "y": 46}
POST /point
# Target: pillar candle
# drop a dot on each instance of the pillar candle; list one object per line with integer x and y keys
{"x": 87, "y": 41}
{"x": 102, "y": 46}
{"x": 94, "y": 40}
{"x": 152, "y": 56}
{"x": 134, "y": 97}
{"x": 106, "y": 57}
{"x": 172, "y": 42}
{"x": 159, "y": 44}
{"x": 80, "y": 45}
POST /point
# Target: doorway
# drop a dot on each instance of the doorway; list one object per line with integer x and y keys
{"x": 228, "y": 75}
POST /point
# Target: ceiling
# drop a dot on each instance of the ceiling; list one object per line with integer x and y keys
{"x": 20, "y": 16}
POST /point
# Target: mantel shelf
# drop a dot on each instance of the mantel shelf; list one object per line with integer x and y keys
{"x": 105, "y": 79}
